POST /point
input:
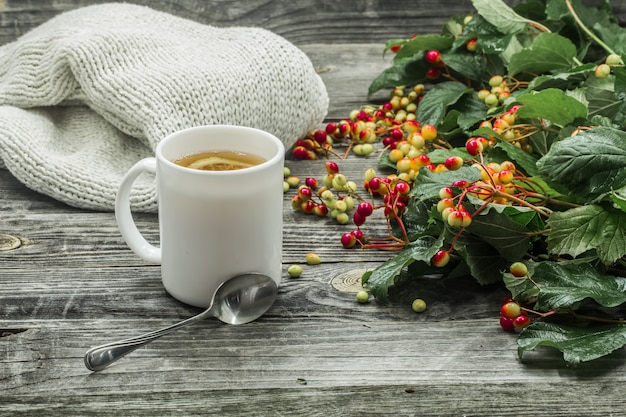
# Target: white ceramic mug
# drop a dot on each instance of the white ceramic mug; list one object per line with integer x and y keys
{"x": 213, "y": 224}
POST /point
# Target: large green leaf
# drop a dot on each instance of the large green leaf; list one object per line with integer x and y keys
{"x": 499, "y": 14}
{"x": 414, "y": 48}
{"x": 548, "y": 52}
{"x": 551, "y": 104}
{"x": 578, "y": 344}
{"x": 591, "y": 163}
{"x": 508, "y": 237}
{"x": 380, "y": 279}
{"x": 406, "y": 71}
{"x": 435, "y": 102}
{"x": 564, "y": 285}
{"x": 483, "y": 261}
{"x": 586, "y": 228}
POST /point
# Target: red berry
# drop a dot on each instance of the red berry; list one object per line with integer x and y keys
{"x": 474, "y": 146}
{"x": 321, "y": 210}
{"x": 424, "y": 159}
{"x": 433, "y": 73}
{"x": 402, "y": 188}
{"x": 305, "y": 193}
{"x": 358, "y": 219}
{"x": 309, "y": 207}
{"x": 511, "y": 310}
{"x": 331, "y": 128}
{"x": 358, "y": 233}
{"x": 471, "y": 45}
{"x": 375, "y": 184}
{"x": 348, "y": 240}
{"x": 506, "y": 323}
{"x": 433, "y": 56}
{"x": 441, "y": 258}
{"x": 320, "y": 136}
{"x": 311, "y": 182}
{"x": 396, "y": 134}
{"x": 521, "y": 321}
{"x": 365, "y": 208}
{"x": 460, "y": 183}
{"x": 453, "y": 163}
{"x": 332, "y": 167}
{"x": 300, "y": 152}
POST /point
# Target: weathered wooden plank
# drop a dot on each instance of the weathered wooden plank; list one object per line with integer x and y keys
{"x": 302, "y": 22}
{"x": 270, "y": 362}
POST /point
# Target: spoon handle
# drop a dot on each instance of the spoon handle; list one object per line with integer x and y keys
{"x": 99, "y": 357}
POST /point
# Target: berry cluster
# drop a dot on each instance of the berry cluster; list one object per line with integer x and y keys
{"x": 390, "y": 122}
{"x": 507, "y": 128}
{"x": 336, "y": 197}
{"x": 604, "y": 70}
{"x": 512, "y": 315}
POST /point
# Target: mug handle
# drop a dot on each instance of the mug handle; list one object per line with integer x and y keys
{"x": 123, "y": 215}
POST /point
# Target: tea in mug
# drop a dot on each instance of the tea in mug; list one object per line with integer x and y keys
{"x": 219, "y": 161}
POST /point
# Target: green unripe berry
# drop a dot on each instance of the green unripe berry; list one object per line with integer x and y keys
{"x": 293, "y": 181}
{"x": 613, "y": 59}
{"x": 496, "y": 80}
{"x": 312, "y": 258}
{"x": 286, "y": 172}
{"x": 482, "y": 94}
{"x": 285, "y": 186}
{"x": 339, "y": 182}
{"x": 327, "y": 195}
{"x": 342, "y": 218}
{"x": 418, "y": 305}
{"x": 369, "y": 174}
{"x": 603, "y": 71}
{"x": 518, "y": 269}
{"x": 491, "y": 100}
{"x": 349, "y": 202}
{"x": 362, "y": 296}
{"x": 341, "y": 206}
{"x": 294, "y": 271}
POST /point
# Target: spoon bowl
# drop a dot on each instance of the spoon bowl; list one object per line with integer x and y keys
{"x": 239, "y": 300}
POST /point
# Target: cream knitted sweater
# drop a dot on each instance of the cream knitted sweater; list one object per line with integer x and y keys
{"x": 90, "y": 92}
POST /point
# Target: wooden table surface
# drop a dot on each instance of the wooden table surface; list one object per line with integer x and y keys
{"x": 69, "y": 282}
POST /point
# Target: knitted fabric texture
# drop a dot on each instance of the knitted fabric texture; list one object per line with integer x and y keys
{"x": 90, "y": 92}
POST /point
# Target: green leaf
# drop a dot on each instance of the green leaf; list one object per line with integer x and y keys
{"x": 565, "y": 285}
{"x": 414, "y": 48}
{"x": 499, "y": 14}
{"x": 578, "y": 344}
{"x": 484, "y": 262}
{"x": 551, "y": 104}
{"x": 548, "y": 52}
{"x": 380, "y": 279}
{"x": 403, "y": 72}
{"x": 591, "y": 164}
{"x": 586, "y": 228}
{"x": 435, "y": 102}
{"x": 509, "y": 238}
